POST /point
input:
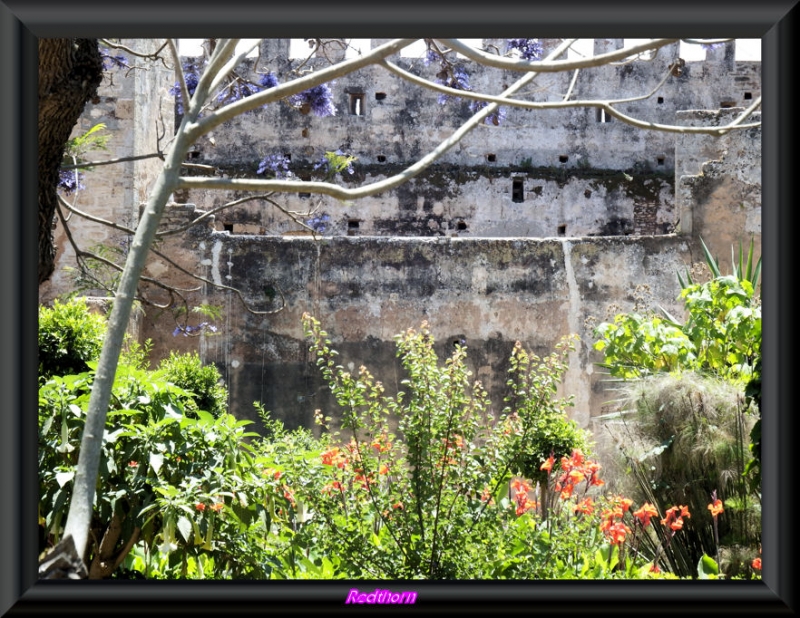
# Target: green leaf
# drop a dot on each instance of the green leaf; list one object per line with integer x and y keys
{"x": 185, "y": 528}
{"x": 156, "y": 461}
{"x": 707, "y": 568}
{"x": 62, "y": 478}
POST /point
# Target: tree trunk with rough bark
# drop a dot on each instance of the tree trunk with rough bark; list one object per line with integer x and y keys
{"x": 70, "y": 70}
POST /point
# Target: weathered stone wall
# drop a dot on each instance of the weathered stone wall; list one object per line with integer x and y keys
{"x": 540, "y": 173}
{"x": 524, "y": 231}
{"x": 136, "y": 110}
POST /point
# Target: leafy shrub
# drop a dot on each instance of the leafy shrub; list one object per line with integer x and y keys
{"x": 412, "y": 502}
{"x": 187, "y": 371}
{"x": 70, "y": 336}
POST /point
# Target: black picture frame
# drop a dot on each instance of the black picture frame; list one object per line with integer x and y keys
{"x": 22, "y": 22}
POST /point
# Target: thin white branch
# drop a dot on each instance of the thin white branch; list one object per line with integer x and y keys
{"x": 547, "y": 66}
{"x": 315, "y": 78}
{"x": 606, "y": 104}
{"x": 342, "y": 193}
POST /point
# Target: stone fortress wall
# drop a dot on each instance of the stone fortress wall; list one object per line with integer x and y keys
{"x": 524, "y": 231}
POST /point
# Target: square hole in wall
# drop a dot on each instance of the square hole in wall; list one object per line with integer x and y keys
{"x": 381, "y": 158}
{"x": 660, "y": 160}
{"x": 304, "y": 195}
{"x": 356, "y": 103}
{"x": 491, "y": 158}
{"x": 461, "y": 225}
{"x": 380, "y": 96}
{"x": 517, "y": 190}
{"x": 563, "y": 158}
{"x": 352, "y": 226}
{"x": 748, "y": 96}
{"x": 227, "y": 227}
{"x": 660, "y": 100}
{"x": 727, "y": 104}
{"x": 562, "y": 230}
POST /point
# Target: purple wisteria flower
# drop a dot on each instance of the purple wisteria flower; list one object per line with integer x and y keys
{"x": 457, "y": 78}
{"x": 529, "y": 49}
{"x": 70, "y": 181}
{"x": 111, "y": 61}
{"x": 318, "y": 100}
{"x": 191, "y": 75}
{"x": 318, "y": 223}
{"x": 496, "y": 118}
{"x": 278, "y": 164}
{"x": 186, "y": 331}
{"x": 237, "y": 89}
{"x": 268, "y": 81}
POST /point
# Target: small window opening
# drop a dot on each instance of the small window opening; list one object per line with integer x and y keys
{"x": 517, "y": 190}
{"x": 352, "y": 226}
{"x": 563, "y": 158}
{"x": 660, "y": 160}
{"x": 194, "y": 154}
{"x": 287, "y": 156}
{"x": 304, "y": 133}
{"x": 748, "y": 96}
{"x": 562, "y": 230}
{"x": 304, "y": 195}
{"x": 380, "y": 96}
{"x": 491, "y": 158}
{"x": 587, "y": 193}
{"x": 461, "y": 225}
{"x": 727, "y": 104}
{"x": 356, "y": 103}
{"x": 660, "y": 100}
{"x": 459, "y": 341}
{"x": 381, "y": 158}
{"x": 603, "y": 115}
{"x": 228, "y": 227}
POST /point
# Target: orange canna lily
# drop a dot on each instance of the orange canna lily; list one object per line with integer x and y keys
{"x": 645, "y": 513}
{"x": 715, "y": 508}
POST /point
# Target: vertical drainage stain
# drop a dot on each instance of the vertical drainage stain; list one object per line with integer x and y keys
{"x": 581, "y": 413}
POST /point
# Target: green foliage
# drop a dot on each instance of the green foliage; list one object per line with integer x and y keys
{"x": 87, "y": 141}
{"x": 409, "y": 502}
{"x": 203, "y": 381}
{"x": 543, "y": 427}
{"x": 688, "y": 439}
{"x": 722, "y": 335}
{"x": 70, "y": 336}
{"x": 175, "y": 493}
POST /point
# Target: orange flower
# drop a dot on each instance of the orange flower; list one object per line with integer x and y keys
{"x": 548, "y": 464}
{"x": 756, "y": 564}
{"x": 384, "y": 469}
{"x": 617, "y": 532}
{"x": 133, "y": 464}
{"x": 715, "y": 508}
{"x": 585, "y": 506}
{"x": 576, "y": 476}
{"x": 200, "y": 506}
{"x": 217, "y": 506}
{"x": 654, "y": 568}
{"x": 577, "y": 458}
{"x": 673, "y": 520}
{"x": 398, "y": 505}
{"x": 645, "y": 513}
{"x": 334, "y": 457}
{"x": 486, "y": 495}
